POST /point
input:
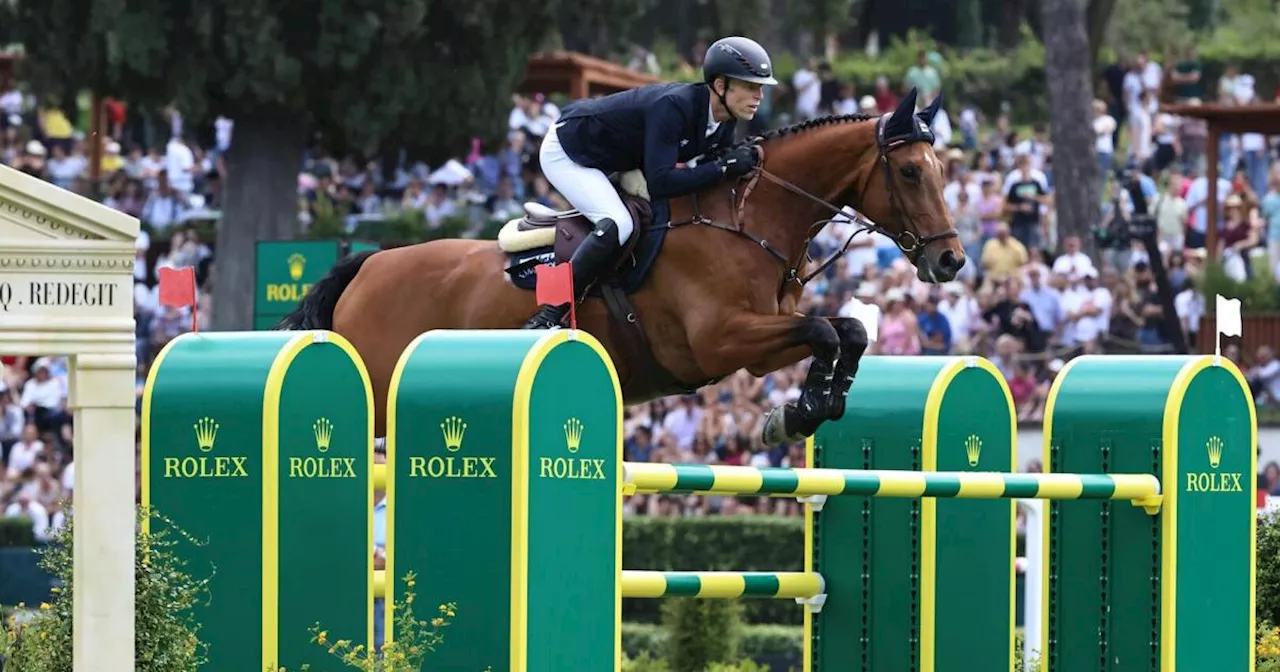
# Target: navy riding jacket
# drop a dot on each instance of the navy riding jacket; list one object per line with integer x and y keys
{"x": 650, "y": 128}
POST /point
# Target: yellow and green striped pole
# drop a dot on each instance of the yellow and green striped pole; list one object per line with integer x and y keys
{"x": 642, "y": 477}
{"x": 782, "y": 585}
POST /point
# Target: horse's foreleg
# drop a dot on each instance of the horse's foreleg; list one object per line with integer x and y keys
{"x": 757, "y": 342}
{"x": 853, "y": 343}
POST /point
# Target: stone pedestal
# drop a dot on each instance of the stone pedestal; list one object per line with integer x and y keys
{"x": 66, "y": 288}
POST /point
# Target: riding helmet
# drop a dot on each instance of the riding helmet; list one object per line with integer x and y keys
{"x": 739, "y": 58}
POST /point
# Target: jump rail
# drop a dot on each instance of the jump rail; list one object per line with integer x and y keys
{"x": 799, "y": 585}
{"x": 648, "y": 478}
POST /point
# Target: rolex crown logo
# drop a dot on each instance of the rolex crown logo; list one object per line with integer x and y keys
{"x": 297, "y": 264}
{"x": 1214, "y": 447}
{"x": 453, "y": 429}
{"x": 206, "y": 433}
{"x": 573, "y": 434}
{"x": 324, "y": 433}
{"x": 973, "y": 449}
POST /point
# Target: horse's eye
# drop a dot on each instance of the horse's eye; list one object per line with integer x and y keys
{"x": 910, "y": 171}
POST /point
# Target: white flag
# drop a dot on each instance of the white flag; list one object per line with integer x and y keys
{"x": 1228, "y": 311}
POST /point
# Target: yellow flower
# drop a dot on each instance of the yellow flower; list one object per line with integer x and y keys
{"x": 437, "y": 622}
{"x": 322, "y": 637}
{"x": 44, "y": 606}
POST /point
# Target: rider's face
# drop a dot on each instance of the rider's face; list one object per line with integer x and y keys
{"x": 743, "y": 98}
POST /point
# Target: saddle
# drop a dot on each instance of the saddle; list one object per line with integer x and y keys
{"x": 563, "y": 231}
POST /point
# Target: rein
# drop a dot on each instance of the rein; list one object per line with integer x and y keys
{"x": 912, "y": 246}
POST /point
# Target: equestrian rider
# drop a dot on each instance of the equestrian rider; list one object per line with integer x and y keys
{"x": 653, "y": 128}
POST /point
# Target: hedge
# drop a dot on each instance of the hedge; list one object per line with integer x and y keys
{"x": 718, "y": 543}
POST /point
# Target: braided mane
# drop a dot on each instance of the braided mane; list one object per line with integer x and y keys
{"x": 815, "y": 123}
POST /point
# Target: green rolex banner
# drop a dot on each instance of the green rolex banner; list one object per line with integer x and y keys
{"x": 286, "y": 270}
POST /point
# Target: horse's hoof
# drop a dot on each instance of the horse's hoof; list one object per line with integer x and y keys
{"x": 775, "y": 428}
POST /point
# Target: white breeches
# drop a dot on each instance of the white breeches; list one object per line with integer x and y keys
{"x": 587, "y": 189}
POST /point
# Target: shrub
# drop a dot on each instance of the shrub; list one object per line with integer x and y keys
{"x": 165, "y": 636}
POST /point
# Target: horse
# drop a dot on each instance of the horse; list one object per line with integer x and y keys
{"x": 706, "y": 290}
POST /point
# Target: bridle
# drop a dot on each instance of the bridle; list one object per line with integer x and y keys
{"x": 908, "y": 239}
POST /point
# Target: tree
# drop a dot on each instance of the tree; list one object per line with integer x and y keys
{"x": 375, "y": 75}
{"x": 1155, "y": 25}
{"x": 600, "y": 27}
{"x": 1068, "y": 74}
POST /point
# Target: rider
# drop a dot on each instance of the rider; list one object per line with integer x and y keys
{"x": 652, "y": 128}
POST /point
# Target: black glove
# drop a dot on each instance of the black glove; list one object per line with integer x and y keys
{"x": 739, "y": 161}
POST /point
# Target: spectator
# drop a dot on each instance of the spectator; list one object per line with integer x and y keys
{"x": 44, "y": 397}
{"x": 24, "y": 453}
{"x": 899, "y": 328}
{"x": 935, "y": 330}
{"x": 1264, "y": 377}
{"x": 1026, "y": 190}
{"x": 1003, "y": 255}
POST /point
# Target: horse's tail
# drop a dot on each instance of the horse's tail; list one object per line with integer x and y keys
{"x": 316, "y": 309}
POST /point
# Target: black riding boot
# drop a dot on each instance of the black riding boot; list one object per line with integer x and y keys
{"x": 592, "y": 256}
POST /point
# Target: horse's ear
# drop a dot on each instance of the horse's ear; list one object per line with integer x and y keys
{"x": 928, "y": 113}
{"x": 902, "y": 120}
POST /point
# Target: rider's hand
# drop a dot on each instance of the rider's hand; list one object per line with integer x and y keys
{"x": 739, "y": 161}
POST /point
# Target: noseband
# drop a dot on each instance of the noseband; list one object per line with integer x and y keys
{"x": 908, "y": 240}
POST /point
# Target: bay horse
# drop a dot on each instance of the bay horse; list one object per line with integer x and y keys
{"x": 701, "y": 294}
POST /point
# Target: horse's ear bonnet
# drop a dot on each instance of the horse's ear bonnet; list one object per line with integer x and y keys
{"x": 904, "y": 125}
{"x": 901, "y": 122}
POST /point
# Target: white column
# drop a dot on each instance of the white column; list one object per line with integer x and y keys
{"x": 1034, "y": 577}
{"x": 102, "y": 395}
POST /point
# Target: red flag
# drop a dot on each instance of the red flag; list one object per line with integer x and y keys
{"x": 555, "y": 286}
{"x": 178, "y": 288}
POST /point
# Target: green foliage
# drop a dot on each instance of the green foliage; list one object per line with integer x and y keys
{"x": 361, "y": 71}
{"x": 718, "y": 543}
{"x": 701, "y": 632}
{"x": 1259, "y": 294}
{"x": 414, "y": 638}
{"x": 741, "y": 666}
{"x": 821, "y": 16}
{"x": 165, "y": 638}
{"x": 406, "y": 227}
{"x": 1247, "y": 35}
{"x": 1019, "y": 654}
{"x": 983, "y": 77}
{"x": 715, "y": 543}
{"x": 987, "y": 78}
{"x": 644, "y": 663}
{"x": 16, "y": 532}
{"x": 1268, "y": 571}
{"x": 1267, "y": 651}
{"x": 1146, "y": 24}
{"x": 588, "y": 25}
{"x": 773, "y": 642}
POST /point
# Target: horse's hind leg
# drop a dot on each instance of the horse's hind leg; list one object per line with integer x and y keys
{"x": 853, "y": 343}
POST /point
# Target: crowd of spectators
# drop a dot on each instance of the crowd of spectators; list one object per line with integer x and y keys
{"x": 1029, "y": 298}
